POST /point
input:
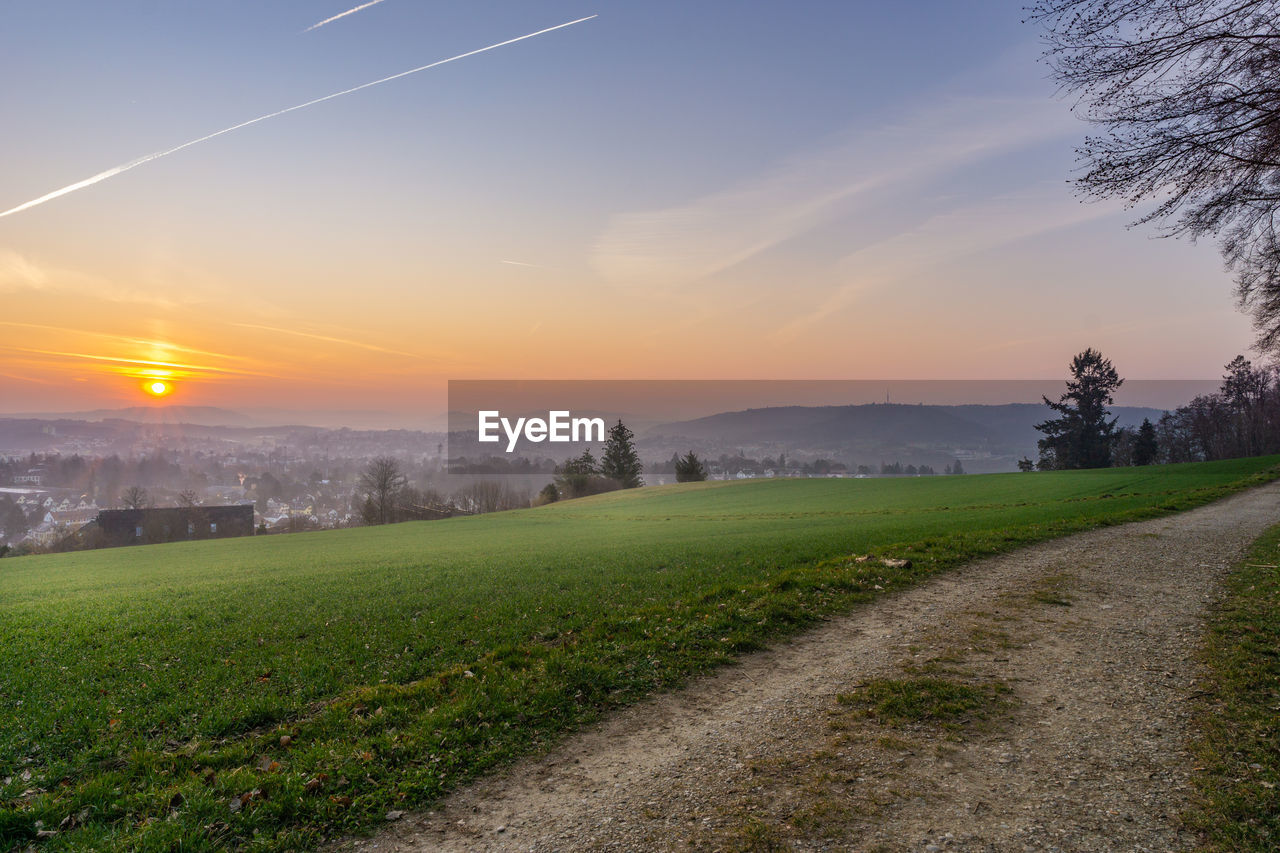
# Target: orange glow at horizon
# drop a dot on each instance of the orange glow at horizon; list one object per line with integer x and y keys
{"x": 345, "y": 357}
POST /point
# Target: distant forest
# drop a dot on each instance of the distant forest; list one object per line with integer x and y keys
{"x": 1241, "y": 419}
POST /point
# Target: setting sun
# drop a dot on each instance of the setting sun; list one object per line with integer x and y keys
{"x": 157, "y": 388}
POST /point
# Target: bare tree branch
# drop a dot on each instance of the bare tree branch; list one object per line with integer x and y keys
{"x": 1188, "y": 95}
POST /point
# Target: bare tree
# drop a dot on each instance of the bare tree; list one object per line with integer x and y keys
{"x": 187, "y": 498}
{"x": 381, "y": 480}
{"x": 1187, "y": 93}
{"x": 1241, "y": 419}
{"x": 481, "y": 496}
{"x": 135, "y": 497}
{"x": 490, "y": 496}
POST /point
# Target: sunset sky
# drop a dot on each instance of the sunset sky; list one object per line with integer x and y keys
{"x": 712, "y": 190}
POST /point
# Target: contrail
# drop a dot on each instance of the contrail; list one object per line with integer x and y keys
{"x": 111, "y": 173}
{"x": 342, "y": 15}
{"x": 346, "y": 341}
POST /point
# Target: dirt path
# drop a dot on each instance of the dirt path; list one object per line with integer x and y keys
{"x": 1081, "y": 649}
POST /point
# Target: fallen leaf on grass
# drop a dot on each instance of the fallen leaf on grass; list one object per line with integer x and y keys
{"x": 238, "y": 803}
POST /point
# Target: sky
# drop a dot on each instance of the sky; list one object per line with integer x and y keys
{"x": 668, "y": 190}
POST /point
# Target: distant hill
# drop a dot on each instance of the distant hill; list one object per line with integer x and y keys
{"x": 832, "y": 425}
{"x": 1016, "y": 421}
{"x": 199, "y": 415}
{"x": 993, "y": 436}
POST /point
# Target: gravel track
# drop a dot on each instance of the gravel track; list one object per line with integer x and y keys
{"x": 1093, "y": 637}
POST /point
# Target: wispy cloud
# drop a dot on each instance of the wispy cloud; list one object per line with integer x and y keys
{"x": 152, "y": 345}
{"x": 60, "y": 350}
{"x": 141, "y": 366}
{"x": 340, "y": 15}
{"x": 945, "y": 239}
{"x": 714, "y": 232}
{"x": 21, "y": 378}
{"x": 523, "y": 264}
{"x": 330, "y": 339}
{"x": 112, "y": 172}
{"x": 18, "y": 273}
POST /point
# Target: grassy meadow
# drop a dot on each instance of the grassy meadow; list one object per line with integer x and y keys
{"x": 1238, "y": 743}
{"x": 267, "y": 693}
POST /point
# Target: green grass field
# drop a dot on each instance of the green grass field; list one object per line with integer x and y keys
{"x": 266, "y": 693}
{"x": 1238, "y": 743}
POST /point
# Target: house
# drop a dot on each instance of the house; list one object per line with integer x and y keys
{"x": 57, "y": 524}
{"x": 170, "y": 524}
{"x": 72, "y": 517}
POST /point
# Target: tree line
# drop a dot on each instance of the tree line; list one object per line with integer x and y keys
{"x": 618, "y": 468}
{"x": 690, "y": 467}
{"x": 389, "y": 498}
{"x": 1242, "y": 418}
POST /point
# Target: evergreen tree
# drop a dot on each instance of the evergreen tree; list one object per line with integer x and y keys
{"x": 1081, "y": 437}
{"x": 689, "y": 469}
{"x": 620, "y": 462}
{"x": 576, "y": 477}
{"x": 1145, "y": 448}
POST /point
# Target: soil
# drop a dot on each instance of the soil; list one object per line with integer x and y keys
{"x": 1082, "y": 651}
